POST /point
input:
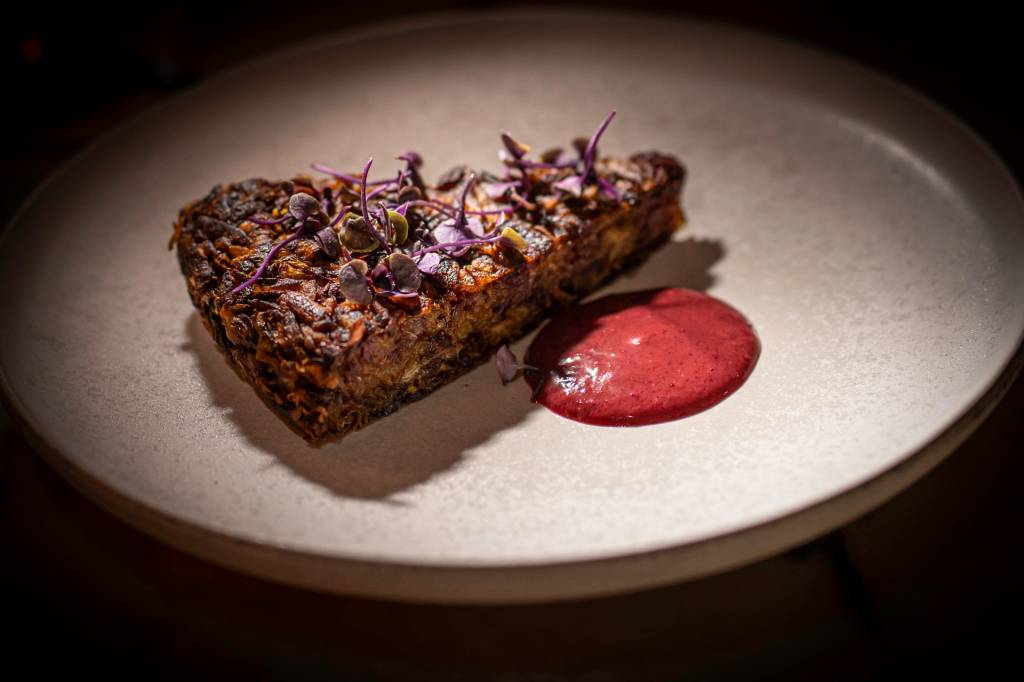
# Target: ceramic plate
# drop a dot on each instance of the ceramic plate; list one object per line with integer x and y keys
{"x": 876, "y": 245}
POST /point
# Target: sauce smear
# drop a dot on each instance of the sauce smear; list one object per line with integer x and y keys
{"x": 641, "y": 358}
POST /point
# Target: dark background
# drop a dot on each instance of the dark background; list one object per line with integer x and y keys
{"x": 928, "y": 583}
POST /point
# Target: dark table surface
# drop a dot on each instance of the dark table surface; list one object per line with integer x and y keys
{"x": 929, "y": 582}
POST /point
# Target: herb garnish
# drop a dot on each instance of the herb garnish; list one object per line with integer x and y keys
{"x": 403, "y": 221}
{"x": 508, "y": 365}
{"x": 308, "y": 214}
{"x": 574, "y": 183}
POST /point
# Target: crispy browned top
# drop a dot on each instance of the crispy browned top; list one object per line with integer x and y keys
{"x": 298, "y": 304}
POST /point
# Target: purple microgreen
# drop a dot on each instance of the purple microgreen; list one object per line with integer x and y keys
{"x": 429, "y": 262}
{"x": 451, "y": 239}
{"x": 353, "y": 282}
{"x": 517, "y": 149}
{"x": 365, "y": 210}
{"x": 590, "y": 153}
{"x": 327, "y": 170}
{"x": 412, "y": 158}
{"x": 572, "y": 184}
{"x": 451, "y": 178}
{"x": 342, "y": 212}
{"x": 355, "y": 234}
{"x": 347, "y": 177}
{"x": 406, "y": 300}
{"x": 413, "y": 162}
{"x": 266, "y": 261}
{"x": 399, "y": 226}
{"x": 608, "y": 188}
{"x": 402, "y": 209}
{"x": 381, "y": 215}
{"x": 302, "y": 206}
{"x": 381, "y": 239}
{"x": 328, "y": 240}
{"x": 552, "y": 155}
{"x": 460, "y": 217}
{"x": 496, "y": 190}
{"x": 274, "y": 221}
{"x": 447, "y": 232}
{"x": 405, "y": 271}
{"x": 408, "y": 193}
{"x": 456, "y": 247}
{"x": 438, "y": 206}
{"x": 508, "y": 365}
{"x": 451, "y": 211}
{"x": 383, "y": 187}
{"x": 525, "y": 183}
{"x": 475, "y": 227}
{"x": 406, "y": 295}
{"x": 381, "y": 277}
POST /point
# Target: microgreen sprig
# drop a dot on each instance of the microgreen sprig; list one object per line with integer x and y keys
{"x": 364, "y": 207}
{"x": 574, "y": 184}
{"x": 388, "y": 225}
{"x": 508, "y": 365}
{"x": 309, "y": 216}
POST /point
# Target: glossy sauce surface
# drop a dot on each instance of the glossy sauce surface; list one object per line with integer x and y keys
{"x": 642, "y": 357}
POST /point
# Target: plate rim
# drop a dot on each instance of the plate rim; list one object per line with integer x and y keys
{"x": 508, "y": 582}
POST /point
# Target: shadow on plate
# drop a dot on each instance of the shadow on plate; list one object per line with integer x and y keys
{"x": 428, "y": 437}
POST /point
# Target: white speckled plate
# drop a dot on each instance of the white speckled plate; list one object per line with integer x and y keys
{"x": 876, "y": 245}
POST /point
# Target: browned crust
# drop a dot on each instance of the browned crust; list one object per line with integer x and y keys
{"x": 331, "y": 366}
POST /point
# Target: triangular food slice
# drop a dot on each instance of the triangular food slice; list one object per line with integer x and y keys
{"x": 341, "y": 299}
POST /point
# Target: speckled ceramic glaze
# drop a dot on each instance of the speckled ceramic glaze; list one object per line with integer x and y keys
{"x": 875, "y": 244}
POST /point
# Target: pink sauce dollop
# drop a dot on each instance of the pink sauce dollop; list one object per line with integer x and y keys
{"x": 641, "y": 358}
